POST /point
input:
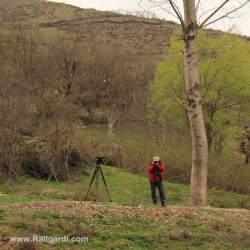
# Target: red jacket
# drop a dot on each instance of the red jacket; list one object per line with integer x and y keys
{"x": 153, "y": 178}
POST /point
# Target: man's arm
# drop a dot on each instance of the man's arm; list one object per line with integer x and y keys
{"x": 150, "y": 168}
{"x": 161, "y": 167}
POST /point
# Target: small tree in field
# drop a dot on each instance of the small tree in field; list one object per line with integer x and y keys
{"x": 191, "y": 23}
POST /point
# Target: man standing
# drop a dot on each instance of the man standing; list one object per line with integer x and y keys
{"x": 155, "y": 177}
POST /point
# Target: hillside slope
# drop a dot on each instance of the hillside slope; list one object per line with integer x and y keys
{"x": 17, "y": 2}
{"x": 136, "y": 35}
{"x": 43, "y": 208}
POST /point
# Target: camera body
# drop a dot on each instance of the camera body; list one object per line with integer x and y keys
{"x": 157, "y": 162}
{"x": 100, "y": 160}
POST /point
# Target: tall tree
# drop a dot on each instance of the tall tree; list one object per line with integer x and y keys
{"x": 191, "y": 23}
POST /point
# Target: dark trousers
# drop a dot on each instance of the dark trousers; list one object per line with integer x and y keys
{"x": 159, "y": 185}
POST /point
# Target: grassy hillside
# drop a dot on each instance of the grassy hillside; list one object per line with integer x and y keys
{"x": 130, "y": 221}
{"x": 17, "y": 2}
{"x": 135, "y": 34}
{"x": 125, "y": 188}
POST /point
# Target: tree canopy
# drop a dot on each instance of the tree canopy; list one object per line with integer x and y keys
{"x": 225, "y": 86}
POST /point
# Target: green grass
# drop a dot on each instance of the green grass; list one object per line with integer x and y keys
{"x": 124, "y": 187}
{"x": 107, "y": 231}
{"x": 128, "y": 230}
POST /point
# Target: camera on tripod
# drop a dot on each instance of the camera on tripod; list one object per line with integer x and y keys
{"x": 98, "y": 171}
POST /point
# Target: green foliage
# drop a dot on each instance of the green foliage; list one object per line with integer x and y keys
{"x": 224, "y": 71}
{"x": 224, "y": 64}
{"x": 166, "y": 91}
{"x": 228, "y": 172}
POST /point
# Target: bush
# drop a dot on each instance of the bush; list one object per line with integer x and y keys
{"x": 42, "y": 159}
{"x": 10, "y": 151}
{"x": 227, "y": 173}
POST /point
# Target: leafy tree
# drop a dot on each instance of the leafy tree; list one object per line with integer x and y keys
{"x": 224, "y": 64}
{"x": 167, "y": 101}
{"x": 224, "y": 75}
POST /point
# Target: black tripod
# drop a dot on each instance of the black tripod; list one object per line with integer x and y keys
{"x": 98, "y": 169}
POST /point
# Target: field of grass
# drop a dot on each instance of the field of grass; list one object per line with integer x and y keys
{"x": 124, "y": 187}
{"x": 124, "y": 227}
{"x": 36, "y": 207}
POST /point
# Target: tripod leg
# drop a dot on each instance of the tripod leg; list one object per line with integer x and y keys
{"x": 96, "y": 183}
{"x": 105, "y": 185}
{"x": 91, "y": 182}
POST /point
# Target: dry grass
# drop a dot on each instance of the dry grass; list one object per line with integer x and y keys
{"x": 136, "y": 35}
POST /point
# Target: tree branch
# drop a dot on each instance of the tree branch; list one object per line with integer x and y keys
{"x": 160, "y": 5}
{"x": 177, "y": 12}
{"x": 232, "y": 105}
{"x": 227, "y": 14}
{"x": 197, "y": 5}
{"x": 204, "y": 23}
{"x": 212, "y": 14}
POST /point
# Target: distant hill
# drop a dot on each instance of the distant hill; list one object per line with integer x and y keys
{"x": 136, "y": 35}
{"x": 17, "y": 2}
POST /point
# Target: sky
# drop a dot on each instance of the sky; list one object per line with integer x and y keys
{"x": 240, "y": 21}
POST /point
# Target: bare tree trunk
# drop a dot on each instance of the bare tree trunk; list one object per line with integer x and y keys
{"x": 163, "y": 131}
{"x": 198, "y": 192}
{"x": 245, "y": 147}
{"x": 247, "y": 161}
{"x": 111, "y": 129}
{"x": 67, "y": 156}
